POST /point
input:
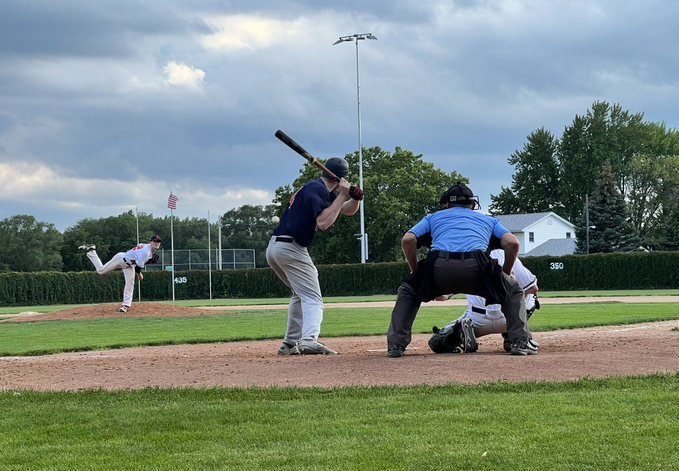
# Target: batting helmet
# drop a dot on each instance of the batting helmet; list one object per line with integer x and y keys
{"x": 338, "y": 166}
{"x": 460, "y": 195}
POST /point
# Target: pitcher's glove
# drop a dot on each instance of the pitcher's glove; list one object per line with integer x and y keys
{"x": 154, "y": 259}
{"x": 456, "y": 338}
{"x": 356, "y": 192}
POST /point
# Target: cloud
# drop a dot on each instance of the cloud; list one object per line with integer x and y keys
{"x": 247, "y": 32}
{"x": 53, "y": 197}
{"x": 182, "y": 75}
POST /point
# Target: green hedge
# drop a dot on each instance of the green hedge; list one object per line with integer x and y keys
{"x": 655, "y": 270}
{"x": 652, "y": 270}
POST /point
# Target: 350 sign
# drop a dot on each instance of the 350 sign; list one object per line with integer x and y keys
{"x": 556, "y": 266}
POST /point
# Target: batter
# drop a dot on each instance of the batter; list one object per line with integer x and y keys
{"x": 316, "y": 206}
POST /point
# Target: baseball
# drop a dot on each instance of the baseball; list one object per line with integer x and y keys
{"x": 275, "y": 219}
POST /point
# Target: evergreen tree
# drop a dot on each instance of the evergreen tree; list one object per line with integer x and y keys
{"x": 610, "y": 227}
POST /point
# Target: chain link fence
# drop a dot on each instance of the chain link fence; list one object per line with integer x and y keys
{"x": 204, "y": 259}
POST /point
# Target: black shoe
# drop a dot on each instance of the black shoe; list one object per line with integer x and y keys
{"x": 524, "y": 346}
{"x": 395, "y": 350}
{"x": 506, "y": 345}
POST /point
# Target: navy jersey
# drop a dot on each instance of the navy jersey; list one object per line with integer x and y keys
{"x": 299, "y": 219}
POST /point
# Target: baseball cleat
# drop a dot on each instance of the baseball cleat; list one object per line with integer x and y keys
{"x": 124, "y": 308}
{"x": 524, "y": 346}
{"x": 286, "y": 349}
{"x": 470, "y": 344}
{"x": 87, "y": 247}
{"x": 395, "y": 350}
{"x": 313, "y": 347}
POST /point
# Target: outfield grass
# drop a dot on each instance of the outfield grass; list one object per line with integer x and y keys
{"x": 37, "y": 338}
{"x": 617, "y": 424}
{"x": 8, "y": 310}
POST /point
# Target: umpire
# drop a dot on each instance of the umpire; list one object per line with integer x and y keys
{"x": 459, "y": 263}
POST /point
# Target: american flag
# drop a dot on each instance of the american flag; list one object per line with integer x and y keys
{"x": 172, "y": 201}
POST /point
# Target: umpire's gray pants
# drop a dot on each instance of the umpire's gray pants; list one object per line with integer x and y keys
{"x": 293, "y": 265}
{"x": 456, "y": 276}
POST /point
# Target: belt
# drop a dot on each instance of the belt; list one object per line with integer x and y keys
{"x": 130, "y": 263}
{"x": 455, "y": 255}
{"x": 478, "y": 310}
{"x": 284, "y": 239}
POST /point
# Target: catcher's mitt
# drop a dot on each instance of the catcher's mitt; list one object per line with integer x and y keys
{"x": 456, "y": 338}
{"x": 532, "y": 305}
{"x": 154, "y": 259}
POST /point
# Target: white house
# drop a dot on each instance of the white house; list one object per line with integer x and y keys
{"x": 541, "y": 233}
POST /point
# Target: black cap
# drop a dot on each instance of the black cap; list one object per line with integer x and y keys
{"x": 156, "y": 238}
{"x": 459, "y": 194}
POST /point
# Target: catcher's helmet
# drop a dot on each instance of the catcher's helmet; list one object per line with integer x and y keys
{"x": 460, "y": 195}
{"x": 338, "y": 166}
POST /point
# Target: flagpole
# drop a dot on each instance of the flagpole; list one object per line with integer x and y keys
{"x": 209, "y": 257}
{"x": 172, "y": 204}
{"x": 136, "y": 212}
{"x": 172, "y": 249}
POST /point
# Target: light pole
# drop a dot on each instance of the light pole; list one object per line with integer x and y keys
{"x": 356, "y": 38}
{"x": 588, "y": 227}
{"x": 219, "y": 243}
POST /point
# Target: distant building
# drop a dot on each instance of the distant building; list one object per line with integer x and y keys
{"x": 541, "y": 233}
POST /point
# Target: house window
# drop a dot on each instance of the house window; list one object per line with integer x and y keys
{"x": 531, "y": 237}
{"x": 568, "y": 235}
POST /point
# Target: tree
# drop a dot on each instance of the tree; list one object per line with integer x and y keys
{"x": 111, "y": 235}
{"x": 29, "y": 245}
{"x": 671, "y": 230}
{"x": 535, "y": 180}
{"x": 605, "y": 134}
{"x": 248, "y": 227}
{"x": 400, "y": 189}
{"x": 610, "y": 227}
{"x": 652, "y": 184}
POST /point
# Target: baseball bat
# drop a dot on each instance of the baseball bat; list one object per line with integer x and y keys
{"x": 288, "y": 141}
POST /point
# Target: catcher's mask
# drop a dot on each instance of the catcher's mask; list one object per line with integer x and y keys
{"x": 460, "y": 195}
{"x": 338, "y": 166}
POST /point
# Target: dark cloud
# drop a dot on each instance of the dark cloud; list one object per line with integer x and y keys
{"x": 84, "y": 90}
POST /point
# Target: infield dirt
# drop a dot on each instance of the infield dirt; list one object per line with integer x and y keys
{"x": 639, "y": 349}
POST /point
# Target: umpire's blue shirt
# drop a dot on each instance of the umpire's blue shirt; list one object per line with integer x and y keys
{"x": 459, "y": 229}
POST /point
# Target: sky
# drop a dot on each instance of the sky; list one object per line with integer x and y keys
{"x": 107, "y": 107}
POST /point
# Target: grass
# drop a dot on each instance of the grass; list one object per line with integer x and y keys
{"x": 616, "y": 424}
{"x": 9, "y": 310}
{"x": 39, "y": 338}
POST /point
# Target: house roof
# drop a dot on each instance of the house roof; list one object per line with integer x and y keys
{"x": 521, "y": 222}
{"x": 553, "y": 247}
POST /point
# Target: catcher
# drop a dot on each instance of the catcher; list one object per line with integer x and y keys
{"x": 485, "y": 320}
